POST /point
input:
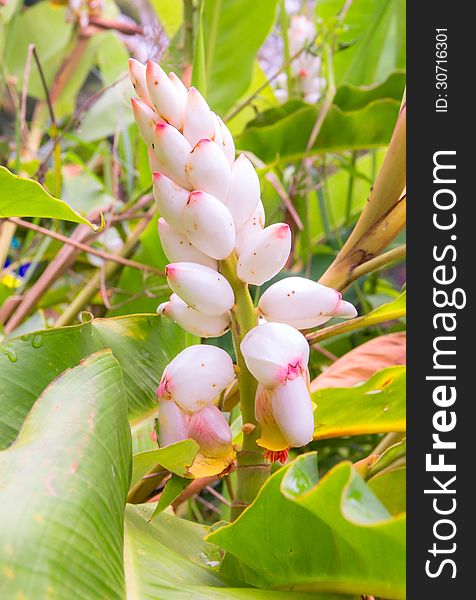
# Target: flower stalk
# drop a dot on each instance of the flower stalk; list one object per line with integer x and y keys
{"x": 213, "y": 229}
{"x": 252, "y": 469}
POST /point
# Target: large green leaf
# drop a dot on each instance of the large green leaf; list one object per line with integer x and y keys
{"x": 331, "y": 536}
{"x": 287, "y": 138}
{"x": 390, "y": 488}
{"x": 21, "y": 197}
{"x": 167, "y": 559}
{"x": 143, "y": 345}
{"x": 225, "y": 26}
{"x": 372, "y": 39}
{"x": 63, "y": 487}
{"x": 376, "y": 406}
{"x": 350, "y": 97}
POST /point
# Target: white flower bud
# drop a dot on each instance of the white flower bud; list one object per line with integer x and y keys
{"x": 292, "y": 409}
{"x": 198, "y": 120}
{"x": 192, "y": 320}
{"x": 137, "y": 77}
{"x": 173, "y": 423}
{"x": 209, "y": 428}
{"x": 208, "y": 169}
{"x": 179, "y": 86}
{"x": 172, "y": 151}
{"x": 196, "y": 376}
{"x": 170, "y": 198}
{"x": 178, "y": 248}
{"x": 275, "y": 353}
{"x": 264, "y": 255}
{"x": 223, "y": 139}
{"x": 303, "y": 303}
{"x": 285, "y": 416}
{"x": 164, "y": 94}
{"x": 200, "y": 287}
{"x": 244, "y": 191}
{"x": 209, "y": 225}
{"x": 249, "y": 230}
{"x": 301, "y": 32}
{"x": 146, "y": 119}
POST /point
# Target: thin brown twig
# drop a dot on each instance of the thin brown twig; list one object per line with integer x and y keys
{"x": 45, "y": 89}
{"x": 278, "y": 186}
{"x": 124, "y": 28}
{"x": 324, "y": 352}
{"x": 61, "y": 262}
{"x": 85, "y": 248}
{"x": 207, "y": 504}
{"x": 103, "y": 288}
{"x": 217, "y": 495}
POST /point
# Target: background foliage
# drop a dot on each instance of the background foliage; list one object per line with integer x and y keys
{"x": 82, "y": 351}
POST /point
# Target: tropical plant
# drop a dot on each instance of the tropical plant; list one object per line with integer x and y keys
{"x": 196, "y": 403}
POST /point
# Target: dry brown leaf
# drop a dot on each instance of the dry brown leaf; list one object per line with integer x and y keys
{"x": 362, "y": 362}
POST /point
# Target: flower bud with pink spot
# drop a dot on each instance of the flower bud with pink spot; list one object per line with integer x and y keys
{"x": 201, "y": 287}
{"x": 275, "y": 353}
{"x": 303, "y": 303}
{"x": 265, "y": 254}
{"x": 196, "y": 376}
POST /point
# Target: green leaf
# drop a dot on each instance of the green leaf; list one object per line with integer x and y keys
{"x": 390, "y": 489}
{"x": 143, "y": 345}
{"x": 176, "y": 458}
{"x": 170, "y": 15}
{"x": 225, "y": 26}
{"x": 331, "y": 536}
{"x": 372, "y": 39}
{"x": 22, "y": 197}
{"x": 173, "y": 488}
{"x": 64, "y": 484}
{"x": 376, "y": 406}
{"x": 110, "y": 112}
{"x": 149, "y": 468}
{"x": 287, "y": 138}
{"x": 46, "y": 27}
{"x": 350, "y": 97}
{"x": 396, "y": 309}
{"x": 168, "y": 559}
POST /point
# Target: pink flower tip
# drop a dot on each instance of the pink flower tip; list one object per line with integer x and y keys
{"x": 200, "y": 142}
{"x": 195, "y": 195}
{"x": 162, "y": 389}
{"x": 160, "y": 126}
{"x": 282, "y": 231}
{"x": 149, "y": 67}
{"x": 170, "y": 271}
{"x": 155, "y": 174}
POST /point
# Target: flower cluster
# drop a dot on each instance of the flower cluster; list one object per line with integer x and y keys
{"x": 306, "y": 68}
{"x": 211, "y": 211}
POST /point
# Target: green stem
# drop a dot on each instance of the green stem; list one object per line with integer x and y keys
{"x": 252, "y": 469}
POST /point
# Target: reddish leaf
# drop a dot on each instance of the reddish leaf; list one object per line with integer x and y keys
{"x": 361, "y": 363}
